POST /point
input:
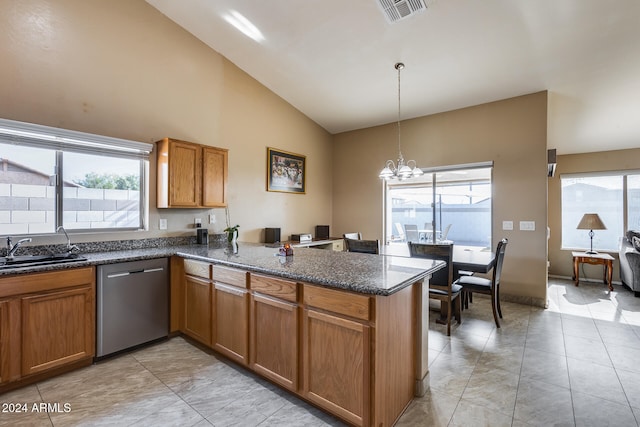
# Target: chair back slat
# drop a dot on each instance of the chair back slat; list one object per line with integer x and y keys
{"x": 362, "y": 246}
{"x": 353, "y": 236}
{"x": 444, "y": 276}
{"x": 499, "y": 260}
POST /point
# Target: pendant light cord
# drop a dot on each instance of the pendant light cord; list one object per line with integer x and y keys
{"x": 399, "y": 66}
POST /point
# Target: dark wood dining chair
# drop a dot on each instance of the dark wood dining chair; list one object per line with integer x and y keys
{"x": 491, "y": 287}
{"x": 440, "y": 285}
{"x": 362, "y": 246}
{"x": 353, "y": 236}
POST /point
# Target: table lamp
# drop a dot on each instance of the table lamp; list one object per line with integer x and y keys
{"x": 591, "y": 221}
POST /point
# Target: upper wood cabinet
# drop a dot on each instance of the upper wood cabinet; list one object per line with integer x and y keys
{"x": 191, "y": 175}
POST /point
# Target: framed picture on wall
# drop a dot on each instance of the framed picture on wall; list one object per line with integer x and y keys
{"x": 286, "y": 172}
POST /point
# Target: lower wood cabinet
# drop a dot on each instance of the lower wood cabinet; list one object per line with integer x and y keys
{"x": 5, "y": 346}
{"x": 198, "y": 296}
{"x": 57, "y": 329}
{"x": 47, "y": 323}
{"x": 336, "y": 353}
{"x": 274, "y": 343}
{"x": 231, "y": 325}
{"x": 352, "y": 354}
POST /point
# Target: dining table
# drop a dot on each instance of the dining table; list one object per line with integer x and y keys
{"x": 465, "y": 258}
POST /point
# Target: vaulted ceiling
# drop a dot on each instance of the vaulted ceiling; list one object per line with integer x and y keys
{"x": 334, "y": 60}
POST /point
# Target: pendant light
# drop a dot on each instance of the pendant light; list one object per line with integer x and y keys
{"x": 403, "y": 170}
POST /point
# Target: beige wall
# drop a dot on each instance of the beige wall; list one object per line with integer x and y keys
{"x": 511, "y": 133}
{"x": 122, "y": 69}
{"x": 561, "y": 260}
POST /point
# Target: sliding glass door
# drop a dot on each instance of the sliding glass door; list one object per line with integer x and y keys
{"x": 444, "y": 205}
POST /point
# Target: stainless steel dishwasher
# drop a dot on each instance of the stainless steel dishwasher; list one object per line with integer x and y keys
{"x": 132, "y": 304}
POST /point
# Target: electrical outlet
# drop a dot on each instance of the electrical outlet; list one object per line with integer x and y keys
{"x": 197, "y": 222}
{"x": 162, "y": 224}
{"x": 212, "y": 219}
{"x": 507, "y": 225}
{"x": 527, "y": 226}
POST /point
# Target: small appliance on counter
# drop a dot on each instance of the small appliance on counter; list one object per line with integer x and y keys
{"x": 302, "y": 238}
{"x": 322, "y": 232}
{"x": 272, "y": 235}
{"x": 202, "y": 236}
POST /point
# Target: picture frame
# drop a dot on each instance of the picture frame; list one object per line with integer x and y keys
{"x": 286, "y": 172}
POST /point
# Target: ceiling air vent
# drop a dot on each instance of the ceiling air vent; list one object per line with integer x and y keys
{"x": 395, "y": 10}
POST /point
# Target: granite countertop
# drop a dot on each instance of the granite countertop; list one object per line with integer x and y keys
{"x": 363, "y": 273}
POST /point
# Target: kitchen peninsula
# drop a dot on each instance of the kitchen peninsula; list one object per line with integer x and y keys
{"x": 345, "y": 331}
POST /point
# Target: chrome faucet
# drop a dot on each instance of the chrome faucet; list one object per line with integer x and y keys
{"x": 70, "y": 247}
{"x": 11, "y": 249}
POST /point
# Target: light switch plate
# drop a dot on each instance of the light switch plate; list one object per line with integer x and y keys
{"x": 527, "y": 225}
{"x": 212, "y": 218}
{"x": 162, "y": 224}
{"x": 507, "y": 225}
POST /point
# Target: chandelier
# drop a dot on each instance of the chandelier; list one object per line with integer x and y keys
{"x": 403, "y": 170}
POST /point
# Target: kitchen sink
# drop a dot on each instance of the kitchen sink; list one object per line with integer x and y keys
{"x": 36, "y": 260}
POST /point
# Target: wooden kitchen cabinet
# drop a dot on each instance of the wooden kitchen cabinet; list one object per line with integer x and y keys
{"x": 337, "y": 353}
{"x": 191, "y": 175}
{"x": 57, "y": 328}
{"x": 5, "y": 346}
{"x": 47, "y": 324}
{"x": 231, "y": 313}
{"x": 197, "y": 309}
{"x": 274, "y": 330}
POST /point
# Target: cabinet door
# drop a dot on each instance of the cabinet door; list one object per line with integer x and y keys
{"x": 214, "y": 177}
{"x": 197, "y": 309}
{"x": 230, "y": 328}
{"x": 4, "y": 341}
{"x": 185, "y": 172}
{"x": 274, "y": 340}
{"x": 337, "y": 365}
{"x": 57, "y": 328}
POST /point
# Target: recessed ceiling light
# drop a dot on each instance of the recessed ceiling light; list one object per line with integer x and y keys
{"x": 244, "y": 25}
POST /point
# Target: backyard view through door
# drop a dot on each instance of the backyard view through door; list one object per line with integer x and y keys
{"x": 441, "y": 206}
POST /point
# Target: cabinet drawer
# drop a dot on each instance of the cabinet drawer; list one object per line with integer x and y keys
{"x": 341, "y": 302}
{"x": 230, "y": 276}
{"x": 197, "y": 268}
{"x": 279, "y": 288}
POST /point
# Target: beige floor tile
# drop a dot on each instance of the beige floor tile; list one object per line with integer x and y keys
{"x": 595, "y": 379}
{"x": 468, "y": 413}
{"x": 545, "y": 341}
{"x": 587, "y": 349}
{"x": 631, "y": 385}
{"x": 591, "y": 411}
{"x": 546, "y": 367}
{"x": 450, "y": 375}
{"x": 492, "y": 388}
{"x": 433, "y": 409}
{"x": 20, "y": 409}
{"x": 544, "y": 404}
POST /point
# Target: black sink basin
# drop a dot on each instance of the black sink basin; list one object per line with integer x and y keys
{"x": 35, "y": 260}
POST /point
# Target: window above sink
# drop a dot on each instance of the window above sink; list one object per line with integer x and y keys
{"x": 51, "y": 177}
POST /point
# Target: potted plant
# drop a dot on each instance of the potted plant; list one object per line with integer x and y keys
{"x": 232, "y": 233}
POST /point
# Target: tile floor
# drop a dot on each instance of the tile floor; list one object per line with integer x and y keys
{"x": 576, "y": 363}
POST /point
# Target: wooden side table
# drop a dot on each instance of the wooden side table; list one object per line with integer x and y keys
{"x": 605, "y": 260}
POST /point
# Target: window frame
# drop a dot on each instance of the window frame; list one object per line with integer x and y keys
{"x": 624, "y": 174}
{"x": 65, "y": 141}
{"x": 386, "y": 184}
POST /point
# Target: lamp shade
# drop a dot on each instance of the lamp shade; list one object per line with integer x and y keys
{"x": 591, "y": 221}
